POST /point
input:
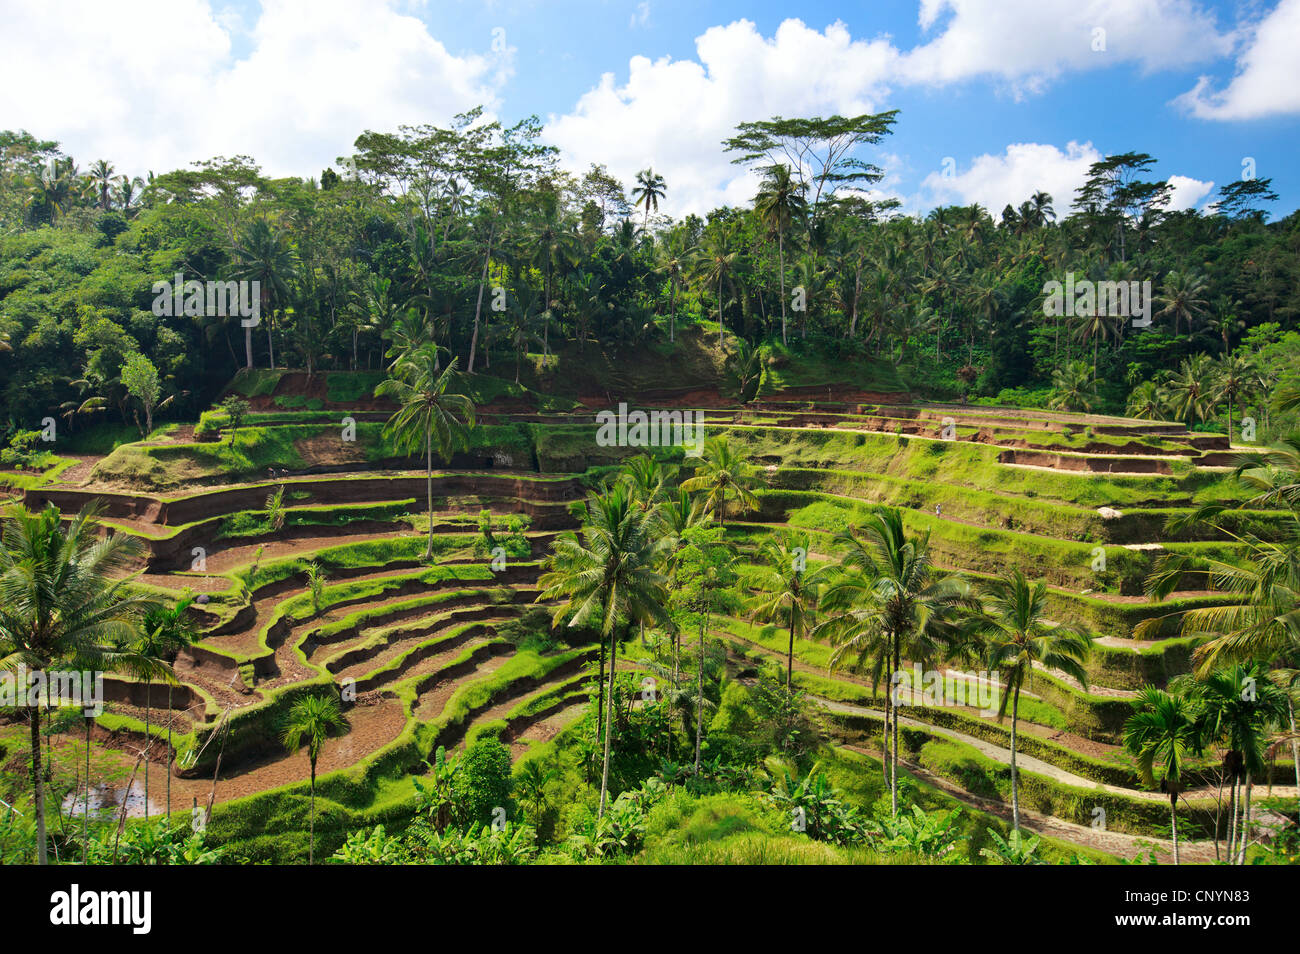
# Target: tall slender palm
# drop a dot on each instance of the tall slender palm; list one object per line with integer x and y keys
{"x": 263, "y": 253}
{"x": 165, "y": 631}
{"x": 311, "y": 721}
{"x": 674, "y": 260}
{"x": 1237, "y": 709}
{"x": 712, "y": 264}
{"x": 886, "y": 602}
{"x": 1190, "y": 391}
{"x": 1233, "y": 377}
{"x": 678, "y": 515}
{"x": 101, "y": 179}
{"x": 647, "y": 192}
{"x": 60, "y": 603}
{"x": 1182, "y": 295}
{"x": 430, "y": 412}
{"x": 787, "y": 590}
{"x": 1162, "y": 729}
{"x": 779, "y": 204}
{"x": 609, "y": 573}
{"x": 1017, "y": 636}
{"x": 724, "y": 475}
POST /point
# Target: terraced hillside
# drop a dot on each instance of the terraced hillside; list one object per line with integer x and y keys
{"x": 429, "y": 653}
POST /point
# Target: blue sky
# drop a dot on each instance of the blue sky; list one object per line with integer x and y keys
{"x": 1019, "y": 94}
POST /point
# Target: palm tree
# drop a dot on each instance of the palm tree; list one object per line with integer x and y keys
{"x": 263, "y": 253}
{"x": 56, "y": 187}
{"x": 61, "y": 603}
{"x": 787, "y": 590}
{"x": 1182, "y": 296}
{"x": 609, "y": 573}
{"x": 166, "y": 631}
{"x": 678, "y": 515}
{"x": 1074, "y": 387}
{"x": 1146, "y": 402}
{"x": 712, "y": 264}
{"x": 312, "y": 720}
{"x": 1017, "y": 636}
{"x": 1237, "y": 707}
{"x": 885, "y": 602}
{"x": 1233, "y": 375}
{"x": 1162, "y": 729}
{"x": 161, "y": 636}
{"x": 101, "y": 179}
{"x": 780, "y": 201}
{"x": 647, "y": 192}
{"x": 723, "y": 475}
{"x": 429, "y": 411}
{"x": 673, "y": 262}
{"x": 1189, "y": 391}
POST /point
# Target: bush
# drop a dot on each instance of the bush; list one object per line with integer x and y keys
{"x": 483, "y": 782}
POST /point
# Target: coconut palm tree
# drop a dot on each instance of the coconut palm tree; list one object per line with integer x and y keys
{"x": 779, "y": 204}
{"x": 1146, "y": 402}
{"x": 430, "y": 412}
{"x": 674, "y": 260}
{"x": 724, "y": 475}
{"x": 1190, "y": 391}
{"x": 62, "y": 603}
{"x": 264, "y": 254}
{"x": 160, "y": 636}
{"x": 1162, "y": 729}
{"x": 787, "y": 590}
{"x": 1233, "y": 377}
{"x": 647, "y": 192}
{"x": 311, "y": 721}
{"x": 101, "y": 179}
{"x": 610, "y": 573}
{"x": 1074, "y": 387}
{"x": 1017, "y": 636}
{"x": 712, "y": 264}
{"x": 1182, "y": 296}
{"x": 885, "y": 601}
{"x": 166, "y": 630}
{"x": 1237, "y": 709}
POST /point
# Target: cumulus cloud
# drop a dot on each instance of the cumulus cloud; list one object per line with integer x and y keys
{"x": 995, "y": 181}
{"x": 674, "y": 114}
{"x": 318, "y": 72}
{"x": 1265, "y": 82}
{"x": 1187, "y": 192}
{"x": 1028, "y": 43}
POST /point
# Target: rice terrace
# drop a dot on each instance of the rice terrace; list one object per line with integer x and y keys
{"x": 456, "y": 505}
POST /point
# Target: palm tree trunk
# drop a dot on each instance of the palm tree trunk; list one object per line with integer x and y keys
{"x": 1232, "y": 826}
{"x": 1245, "y": 822}
{"x": 721, "y": 340}
{"x": 478, "y": 307}
{"x": 885, "y": 762}
{"x": 1295, "y": 750}
{"x": 893, "y": 758}
{"x": 148, "y": 688}
{"x": 780, "y": 247}
{"x": 311, "y": 844}
{"x": 248, "y": 347}
{"x": 699, "y": 699}
{"x": 85, "y": 817}
{"x": 428, "y": 457}
{"x": 1173, "y": 822}
{"x": 600, "y": 692}
{"x": 609, "y": 724}
{"x": 169, "y": 751}
{"x": 1015, "y": 787}
{"x": 672, "y": 309}
{"x": 38, "y": 786}
{"x": 789, "y": 657}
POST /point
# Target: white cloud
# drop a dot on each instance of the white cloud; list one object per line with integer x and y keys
{"x": 1028, "y": 43}
{"x": 318, "y": 73}
{"x": 995, "y": 181}
{"x": 1266, "y": 80}
{"x": 640, "y": 15}
{"x": 674, "y": 114}
{"x": 1187, "y": 192}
